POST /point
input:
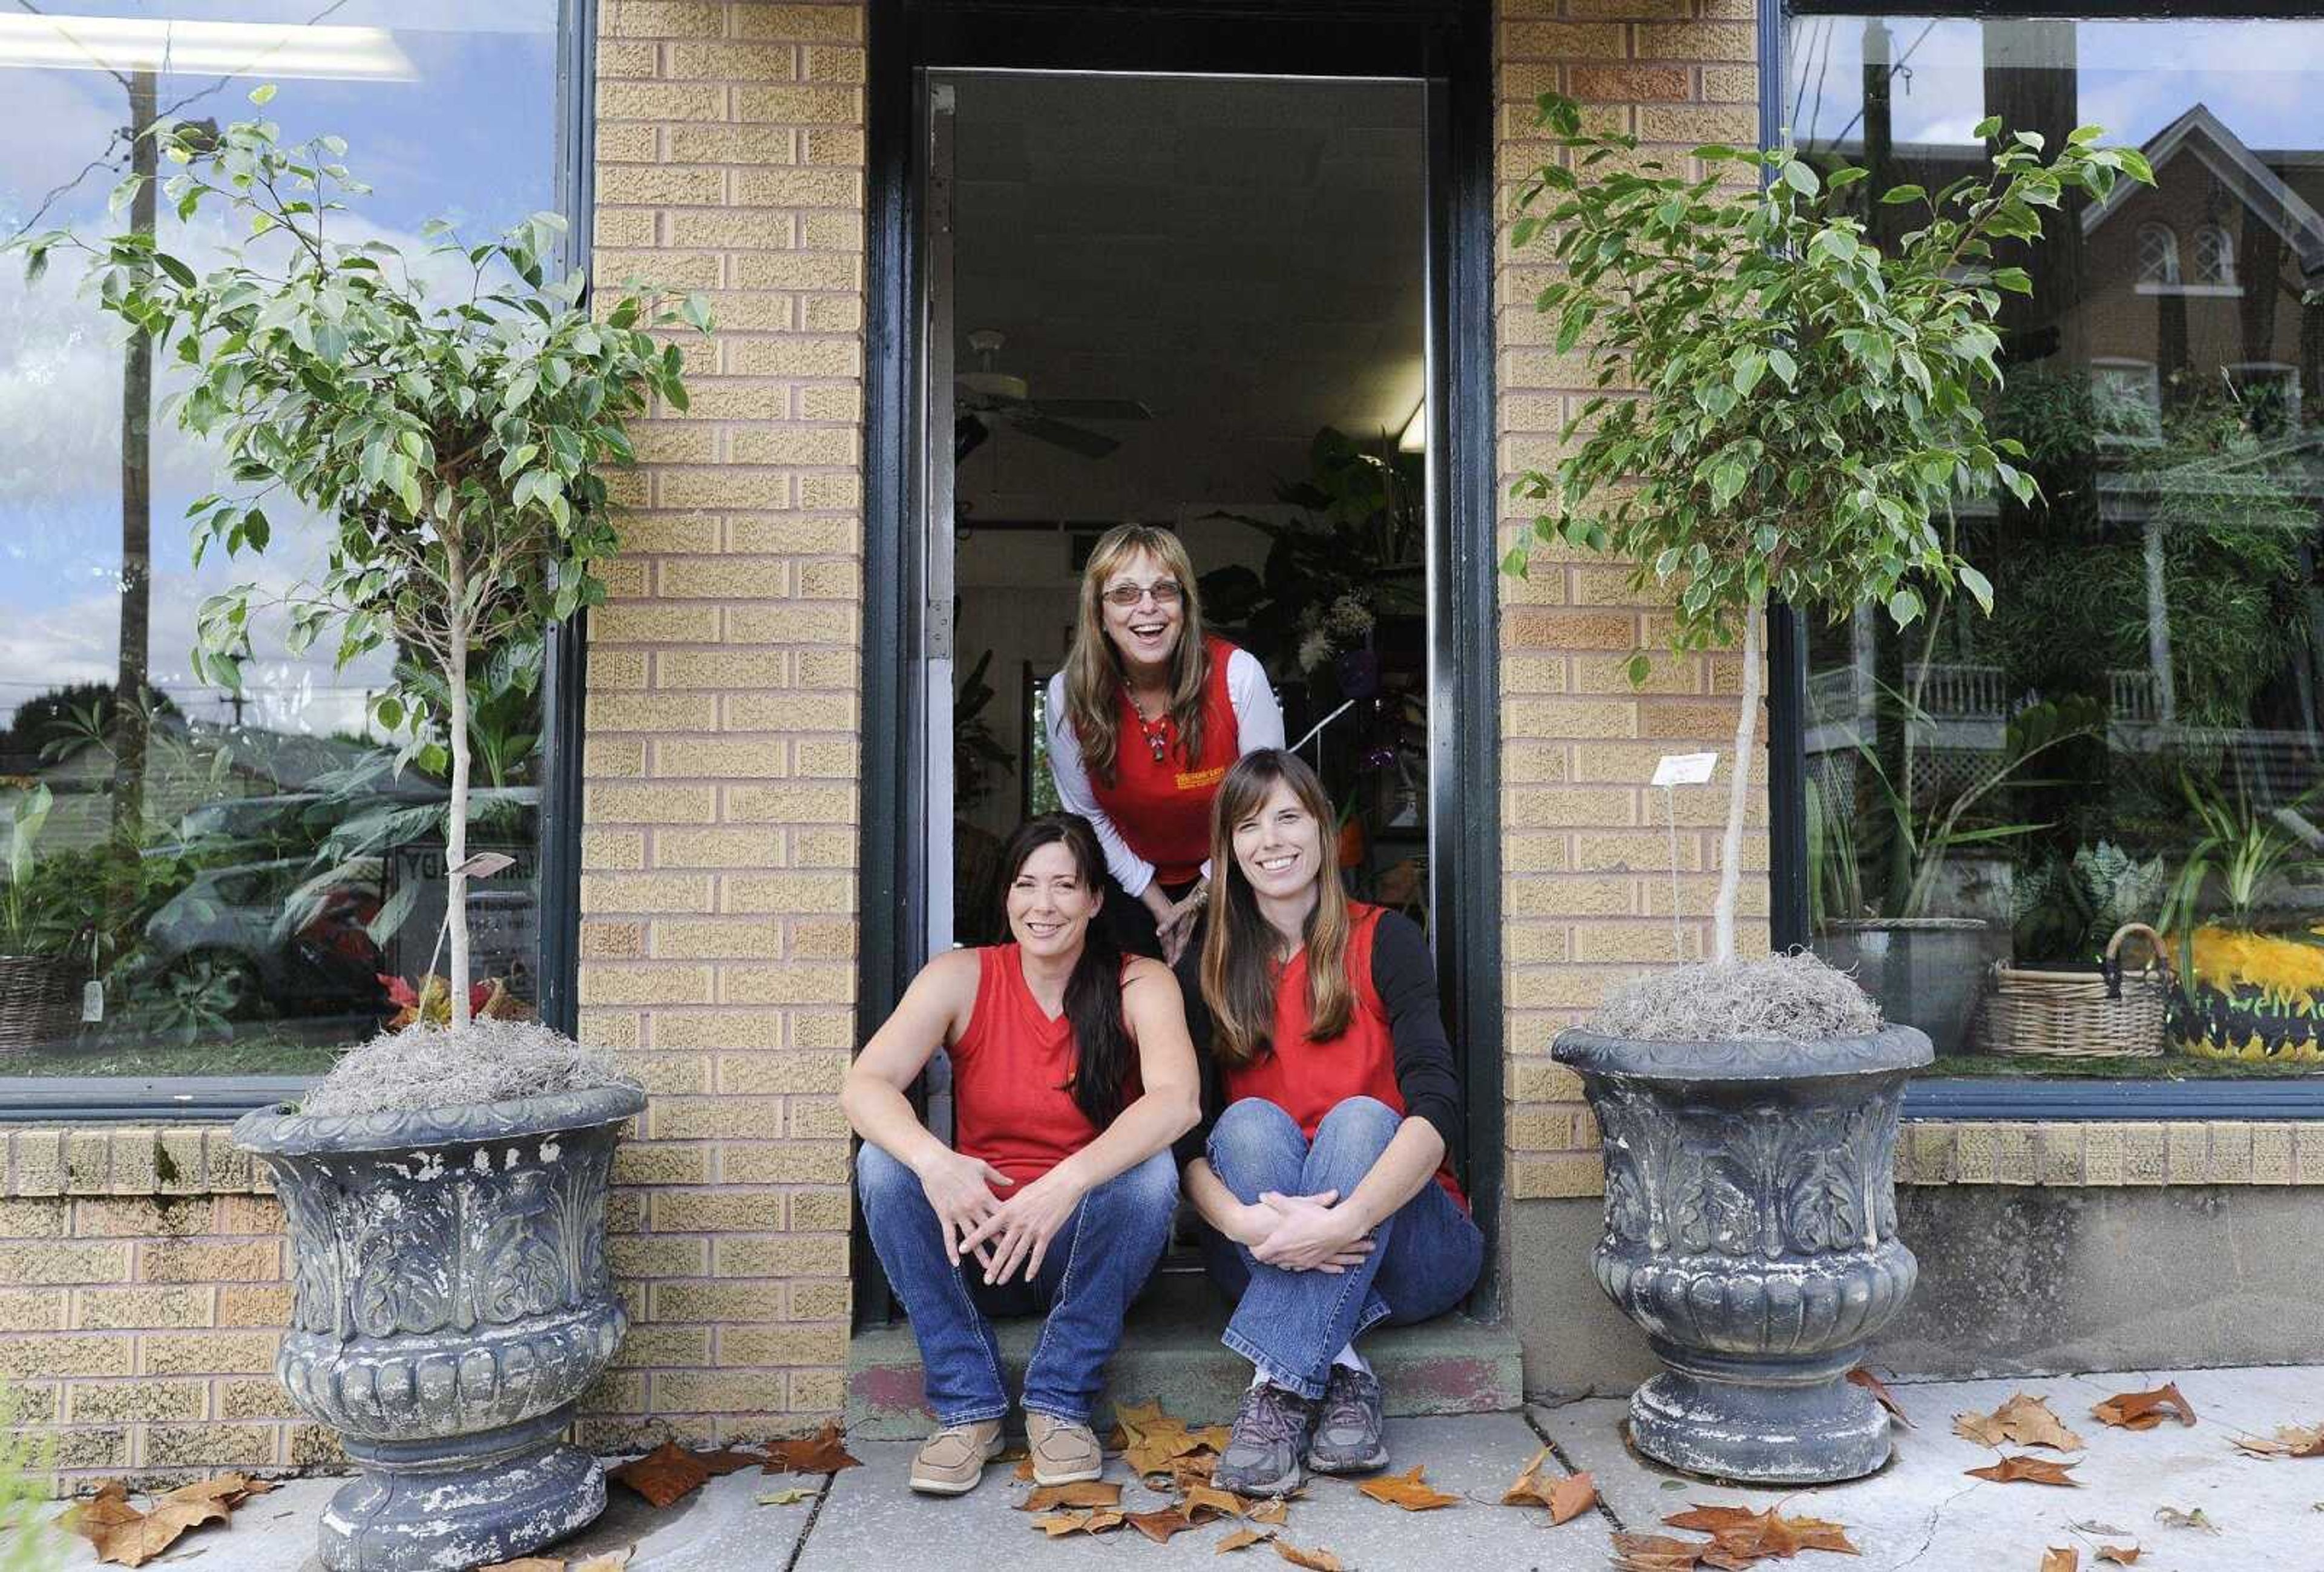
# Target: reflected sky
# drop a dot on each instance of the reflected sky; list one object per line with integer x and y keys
{"x": 470, "y": 136}
{"x": 2261, "y": 78}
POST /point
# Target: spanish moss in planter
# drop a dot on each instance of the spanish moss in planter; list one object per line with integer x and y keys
{"x": 1813, "y": 409}
{"x": 445, "y": 413}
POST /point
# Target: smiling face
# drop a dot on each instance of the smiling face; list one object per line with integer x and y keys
{"x": 1050, "y": 905}
{"x": 1145, "y": 631}
{"x": 1279, "y": 847}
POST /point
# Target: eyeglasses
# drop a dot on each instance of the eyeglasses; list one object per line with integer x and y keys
{"x": 1164, "y": 591}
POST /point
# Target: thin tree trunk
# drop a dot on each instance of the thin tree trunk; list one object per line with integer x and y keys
{"x": 1739, "y": 788}
{"x": 130, "y": 720}
{"x": 455, "y": 834}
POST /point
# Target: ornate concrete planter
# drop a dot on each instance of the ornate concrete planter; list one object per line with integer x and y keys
{"x": 1751, "y": 1233}
{"x": 451, "y": 1301}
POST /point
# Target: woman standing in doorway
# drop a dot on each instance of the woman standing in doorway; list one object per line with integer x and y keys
{"x": 1325, "y": 1185}
{"x": 1143, "y": 722}
{"x": 1072, "y": 1075}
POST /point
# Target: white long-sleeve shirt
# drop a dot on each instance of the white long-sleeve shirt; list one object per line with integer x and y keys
{"x": 1259, "y": 724}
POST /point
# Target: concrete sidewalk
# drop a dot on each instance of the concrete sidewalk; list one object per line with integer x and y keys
{"x": 1920, "y": 1511}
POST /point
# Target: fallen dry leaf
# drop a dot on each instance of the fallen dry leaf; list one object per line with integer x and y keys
{"x": 1205, "y": 1498}
{"x": 790, "y": 1497}
{"x": 1057, "y": 1524}
{"x": 1739, "y": 1536}
{"x": 1656, "y": 1553}
{"x": 2024, "y": 1419}
{"x": 2171, "y": 1517}
{"x": 1315, "y": 1560}
{"x": 2120, "y": 1554}
{"x": 666, "y": 1476}
{"x": 1098, "y": 1523}
{"x": 1023, "y": 1472}
{"x": 2017, "y": 1466}
{"x": 1088, "y": 1492}
{"x": 1241, "y": 1539}
{"x": 2289, "y": 1441}
{"x": 608, "y": 1560}
{"x": 1277, "y": 1511}
{"x": 1158, "y": 1526}
{"x": 1410, "y": 1490}
{"x": 2061, "y": 1559}
{"x": 1880, "y": 1394}
{"x": 824, "y": 1452}
{"x": 1567, "y": 1496}
{"x": 528, "y": 1564}
{"x": 2143, "y": 1410}
{"x": 120, "y": 1533}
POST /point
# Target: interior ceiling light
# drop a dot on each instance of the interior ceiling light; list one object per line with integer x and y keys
{"x": 264, "y": 49}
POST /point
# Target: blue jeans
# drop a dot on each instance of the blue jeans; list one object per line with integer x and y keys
{"x": 1093, "y": 1269}
{"x": 1424, "y": 1261}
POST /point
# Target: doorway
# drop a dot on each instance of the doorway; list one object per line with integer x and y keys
{"x": 1227, "y": 276}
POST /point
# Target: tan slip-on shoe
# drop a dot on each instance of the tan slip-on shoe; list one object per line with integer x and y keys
{"x": 1063, "y": 1453}
{"x": 951, "y": 1461}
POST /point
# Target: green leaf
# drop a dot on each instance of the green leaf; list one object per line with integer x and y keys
{"x": 1638, "y": 668}
{"x": 1896, "y": 196}
{"x": 263, "y": 94}
{"x": 1903, "y": 607}
{"x": 2016, "y": 280}
{"x": 1988, "y": 128}
{"x": 1979, "y": 587}
{"x": 1786, "y": 369}
{"x": 1800, "y": 178}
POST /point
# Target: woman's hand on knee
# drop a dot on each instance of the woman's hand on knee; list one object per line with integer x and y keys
{"x": 1020, "y": 1230}
{"x": 959, "y": 1191}
{"x": 1313, "y": 1234}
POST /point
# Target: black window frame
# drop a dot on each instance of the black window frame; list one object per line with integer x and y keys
{"x": 1970, "y": 1098}
{"x": 1446, "y": 44}
{"x": 154, "y": 1099}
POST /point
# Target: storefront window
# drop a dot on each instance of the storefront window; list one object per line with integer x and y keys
{"x": 2130, "y": 743}
{"x": 208, "y": 883}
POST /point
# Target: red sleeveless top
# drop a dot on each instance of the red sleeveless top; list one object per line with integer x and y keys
{"x": 1307, "y": 1080}
{"x": 1010, "y": 1070}
{"x": 1163, "y": 810}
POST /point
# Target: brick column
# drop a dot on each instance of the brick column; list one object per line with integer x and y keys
{"x": 718, "y": 891}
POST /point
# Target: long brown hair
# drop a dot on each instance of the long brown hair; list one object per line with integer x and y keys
{"x": 1094, "y": 673}
{"x": 1239, "y": 971}
{"x": 1102, "y": 1042}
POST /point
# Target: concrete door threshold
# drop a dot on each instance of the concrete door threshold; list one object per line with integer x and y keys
{"x": 1170, "y": 1353}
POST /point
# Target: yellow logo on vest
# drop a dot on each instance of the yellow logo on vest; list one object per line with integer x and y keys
{"x": 1195, "y": 780}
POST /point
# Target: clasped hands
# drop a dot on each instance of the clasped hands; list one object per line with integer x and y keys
{"x": 1304, "y": 1232}
{"x": 1002, "y": 1236}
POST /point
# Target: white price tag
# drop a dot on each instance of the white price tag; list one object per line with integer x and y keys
{"x": 1683, "y": 769}
{"x": 485, "y": 864}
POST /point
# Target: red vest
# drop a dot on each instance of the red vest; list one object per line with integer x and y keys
{"x": 1163, "y": 810}
{"x": 1009, "y": 1069}
{"x": 1307, "y": 1080}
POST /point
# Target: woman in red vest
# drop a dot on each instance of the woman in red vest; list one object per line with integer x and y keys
{"x": 1071, "y": 1074}
{"x": 1325, "y": 1183}
{"x": 1143, "y": 721}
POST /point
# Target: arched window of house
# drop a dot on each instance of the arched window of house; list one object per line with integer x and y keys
{"x": 2158, "y": 254}
{"x": 2214, "y": 255}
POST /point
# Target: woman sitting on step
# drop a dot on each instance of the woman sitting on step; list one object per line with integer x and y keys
{"x": 1071, "y": 1074}
{"x": 1324, "y": 1183}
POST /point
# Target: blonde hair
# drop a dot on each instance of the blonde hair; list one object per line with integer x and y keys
{"x": 1093, "y": 672}
{"x": 1239, "y": 975}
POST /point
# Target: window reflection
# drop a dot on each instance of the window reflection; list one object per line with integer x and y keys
{"x": 2133, "y": 736}
{"x": 214, "y": 882}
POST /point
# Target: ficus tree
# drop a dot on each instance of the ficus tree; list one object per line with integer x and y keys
{"x": 446, "y": 409}
{"x": 1784, "y": 409}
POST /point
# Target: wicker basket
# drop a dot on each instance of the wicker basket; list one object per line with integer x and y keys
{"x": 2098, "y": 1012}
{"x": 39, "y": 1001}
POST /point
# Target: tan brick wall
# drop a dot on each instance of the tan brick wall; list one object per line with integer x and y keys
{"x": 1586, "y": 882}
{"x": 142, "y": 1298}
{"x": 718, "y": 885}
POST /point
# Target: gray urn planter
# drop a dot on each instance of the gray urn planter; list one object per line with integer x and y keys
{"x": 1751, "y": 1233}
{"x": 1927, "y": 972}
{"x": 451, "y": 1302}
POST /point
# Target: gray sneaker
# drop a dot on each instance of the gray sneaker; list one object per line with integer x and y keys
{"x": 1262, "y": 1456}
{"x": 1347, "y": 1438}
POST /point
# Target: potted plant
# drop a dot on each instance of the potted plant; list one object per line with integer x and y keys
{"x": 2245, "y": 993}
{"x": 1811, "y": 411}
{"x": 446, "y": 412}
{"x": 1926, "y": 968}
{"x": 41, "y": 974}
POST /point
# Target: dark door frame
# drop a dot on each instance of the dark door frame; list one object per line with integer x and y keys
{"x": 1446, "y": 44}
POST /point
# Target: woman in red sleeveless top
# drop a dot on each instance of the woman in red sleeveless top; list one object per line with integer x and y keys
{"x": 1071, "y": 1074}
{"x": 1325, "y": 1182}
{"x": 1143, "y": 722}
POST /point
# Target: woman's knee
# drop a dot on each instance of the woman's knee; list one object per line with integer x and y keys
{"x": 1253, "y": 1127}
{"x": 1147, "y": 1189}
{"x": 1360, "y": 1117}
{"x": 881, "y": 1180}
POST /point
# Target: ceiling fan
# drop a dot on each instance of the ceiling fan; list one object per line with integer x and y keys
{"x": 984, "y": 396}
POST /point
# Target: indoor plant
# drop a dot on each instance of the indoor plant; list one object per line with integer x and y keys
{"x": 41, "y": 974}
{"x": 2244, "y": 993}
{"x": 1811, "y": 411}
{"x": 445, "y": 1187}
